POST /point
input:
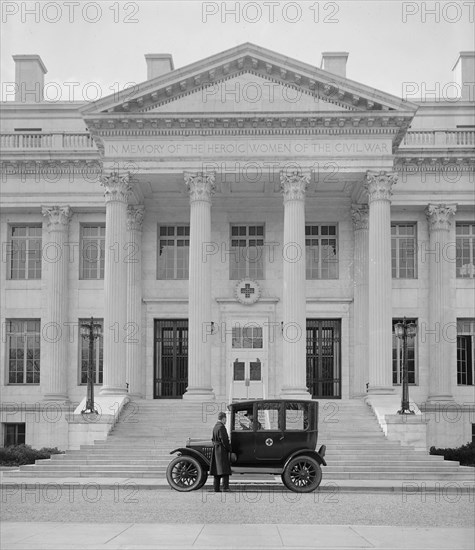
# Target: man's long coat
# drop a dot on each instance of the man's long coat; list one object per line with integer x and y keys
{"x": 220, "y": 465}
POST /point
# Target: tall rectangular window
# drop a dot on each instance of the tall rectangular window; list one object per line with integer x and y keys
{"x": 93, "y": 243}
{"x": 403, "y": 250}
{"x": 321, "y": 247}
{"x": 246, "y": 258}
{"x": 97, "y": 354}
{"x": 24, "y": 252}
{"x": 465, "y": 245}
{"x": 173, "y": 252}
{"x": 14, "y": 433}
{"x": 23, "y": 351}
{"x": 465, "y": 352}
{"x": 398, "y": 356}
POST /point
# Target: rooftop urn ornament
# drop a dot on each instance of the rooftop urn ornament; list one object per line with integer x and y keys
{"x": 247, "y": 291}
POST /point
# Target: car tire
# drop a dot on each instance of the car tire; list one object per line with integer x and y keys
{"x": 302, "y": 474}
{"x": 203, "y": 480}
{"x": 185, "y": 473}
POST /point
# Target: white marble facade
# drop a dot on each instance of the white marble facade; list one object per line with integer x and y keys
{"x": 181, "y": 152}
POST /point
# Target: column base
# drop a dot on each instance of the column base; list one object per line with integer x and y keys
{"x": 61, "y": 397}
{"x": 199, "y": 394}
{"x": 288, "y": 392}
{"x": 113, "y": 390}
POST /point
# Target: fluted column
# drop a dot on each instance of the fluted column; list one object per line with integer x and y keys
{"x": 294, "y": 379}
{"x": 134, "y": 300}
{"x": 201, "y": 187}
{"x": 116, "y": 193}
{"x": 54, "y": 335}
{"x": 379, "y": 188}
{"x": 360, "y": 214}
{"x": 441, "y": 313}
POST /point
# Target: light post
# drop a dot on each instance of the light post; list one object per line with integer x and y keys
{"x": 404, "y": 331}
{"x": 90, "y": 331}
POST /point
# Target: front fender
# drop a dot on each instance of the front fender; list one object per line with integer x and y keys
{"x": 185, "y": 451}
{"x": 318, "y": 456}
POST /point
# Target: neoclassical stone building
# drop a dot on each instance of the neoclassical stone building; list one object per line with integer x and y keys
{"x": 244, "y": 226}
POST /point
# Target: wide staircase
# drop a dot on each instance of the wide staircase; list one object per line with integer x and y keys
{"x": 140, "y": 443}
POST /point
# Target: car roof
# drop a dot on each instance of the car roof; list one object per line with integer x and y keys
{"x": 250, "y": 402}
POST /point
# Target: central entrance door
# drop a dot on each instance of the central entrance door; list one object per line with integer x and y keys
{"x": 247, "y": 359}
{"x": 324, "y": 357}
{"x": 170, "y": 358}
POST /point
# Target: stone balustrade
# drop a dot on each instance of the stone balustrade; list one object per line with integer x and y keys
{"x": 83, "y": 141}
{"x": 438, "y": 139}
{"x": 78, "y": 141}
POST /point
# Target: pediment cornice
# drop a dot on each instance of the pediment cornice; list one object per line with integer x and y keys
{"x": 343, "y": 93}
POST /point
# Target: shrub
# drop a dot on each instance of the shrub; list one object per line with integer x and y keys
{"x": 464, "y": 454}
{"x": 16, "y": 455}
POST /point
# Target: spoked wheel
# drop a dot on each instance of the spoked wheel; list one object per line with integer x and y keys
{"x": 302, "y": 475}
{"x": 184, "y": 473}
{"x": 204, "y": 479}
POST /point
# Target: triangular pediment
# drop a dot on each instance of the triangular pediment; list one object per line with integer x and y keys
{"x": 284, "y": 84}
{"x": 249, "y": 93}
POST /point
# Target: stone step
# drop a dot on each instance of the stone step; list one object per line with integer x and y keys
{"x": 149, "y": 474}
{"x": 160, "y": 461}
{"x": 330, "y": 457}
{"x": 333, "y": 444}
{"x": 140, "y": 443}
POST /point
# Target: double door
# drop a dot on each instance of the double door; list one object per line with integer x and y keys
{"x": 247, "y": 359}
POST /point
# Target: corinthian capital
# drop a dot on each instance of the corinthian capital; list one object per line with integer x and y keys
{"x": 116, "y": 186}
{"x": 135, "y": 216}
{"x": 201, "y": 185}
{"x": 439, "y": 216}
{"x": 58, "y": 217}
{"x": 294, "y": 185}
{"x": 360, "y": 216}
{"x": 379, "y": 185}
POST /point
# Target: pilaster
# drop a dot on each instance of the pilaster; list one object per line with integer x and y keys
{"x": 360, "y": 217}
{"x": 439, "y": 217}
{"x": 135, "y": 215}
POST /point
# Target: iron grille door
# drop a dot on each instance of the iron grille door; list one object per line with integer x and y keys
{"x": 324, "y": 357}
{"x": 171, "y": 358}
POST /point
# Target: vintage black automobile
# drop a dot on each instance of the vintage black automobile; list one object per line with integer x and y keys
{"x": 268, "y": 436}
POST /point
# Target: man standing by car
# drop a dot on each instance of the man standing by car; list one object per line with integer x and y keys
{"x": 220, "y": 466}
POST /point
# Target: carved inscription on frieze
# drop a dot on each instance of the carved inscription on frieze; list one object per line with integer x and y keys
{"x": 247, "y": 148}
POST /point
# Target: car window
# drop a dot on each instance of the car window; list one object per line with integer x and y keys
{"x": 268, "y": 416}
{"x": 296, "y": 416}
{"x": 241, "y": 421}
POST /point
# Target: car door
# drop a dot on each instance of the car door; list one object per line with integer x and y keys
{"x": 269, "y": 436}
{"x": 242, "y": 438}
